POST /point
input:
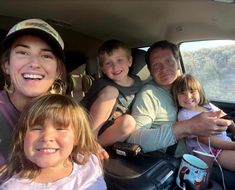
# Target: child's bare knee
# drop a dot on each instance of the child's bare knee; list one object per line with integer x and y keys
{"x": 128, "y": 125}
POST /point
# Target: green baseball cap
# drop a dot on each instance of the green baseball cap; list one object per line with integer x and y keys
{"x": 36, "y": 27}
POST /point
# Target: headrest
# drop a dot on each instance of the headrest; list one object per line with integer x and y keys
{"x": 139, "y": 66}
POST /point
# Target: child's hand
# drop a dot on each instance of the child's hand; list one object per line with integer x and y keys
{"x": 117, "y": 114}
{"x": 103, "y": 154}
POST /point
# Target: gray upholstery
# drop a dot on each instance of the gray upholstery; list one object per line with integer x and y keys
{"x": 139, "y": 66}
{"x": 79, "y": 85}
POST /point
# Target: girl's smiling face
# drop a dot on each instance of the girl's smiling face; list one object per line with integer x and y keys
{"x": 189, "y": 99}
{"x": 32, "y": 66}
{"x": 49, "y": 145}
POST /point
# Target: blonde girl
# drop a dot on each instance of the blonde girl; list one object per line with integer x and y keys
{"x": 53, "y": 148}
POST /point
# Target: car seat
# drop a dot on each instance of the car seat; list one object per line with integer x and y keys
{"x": 79, "y": 84}
{"x": 143, "y": 172}
{"x": 228, "y": 176}
{"x": 139, "y": 66}
{"x": 78, "y": 81}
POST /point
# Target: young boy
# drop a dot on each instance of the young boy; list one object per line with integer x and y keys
{"x": 110, "y": 98}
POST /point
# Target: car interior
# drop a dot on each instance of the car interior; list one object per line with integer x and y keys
{"x": 85, "y": 24}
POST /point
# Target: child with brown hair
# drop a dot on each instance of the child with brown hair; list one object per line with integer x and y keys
{"x": 110, "y": 99}
{"x": 190, "y": 97}
{"x": 53, "y": 148}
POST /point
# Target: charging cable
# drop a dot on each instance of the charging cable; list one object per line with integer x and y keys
{"x": 215, "y": 158}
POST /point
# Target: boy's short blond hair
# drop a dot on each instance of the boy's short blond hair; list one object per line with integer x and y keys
{"x": 108, "y": 47}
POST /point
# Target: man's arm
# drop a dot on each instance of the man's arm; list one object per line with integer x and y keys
{"x": 149, "y": 135}
{"x": 204, "y": 124}
{"x": 153, "y": 139}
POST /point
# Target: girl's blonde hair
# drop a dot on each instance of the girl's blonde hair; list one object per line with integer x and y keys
{"x": 187, "y": 82}
{"x": 63, "y": 111}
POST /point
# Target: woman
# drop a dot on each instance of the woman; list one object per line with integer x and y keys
{"x": 32, "y": 62}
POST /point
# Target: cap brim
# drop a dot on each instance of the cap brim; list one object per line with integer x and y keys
{"x": 7, "y": 42}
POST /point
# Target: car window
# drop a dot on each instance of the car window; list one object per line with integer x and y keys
{"x": 213, "y": 63}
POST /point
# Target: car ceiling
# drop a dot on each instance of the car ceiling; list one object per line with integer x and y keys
{"x": 136, "y": 22}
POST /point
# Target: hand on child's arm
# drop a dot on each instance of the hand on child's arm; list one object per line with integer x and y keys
{"x": 208, "y": 123}
{"x": 204, "y": 124}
